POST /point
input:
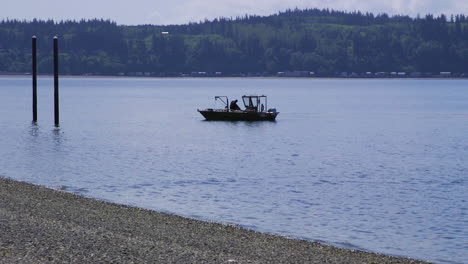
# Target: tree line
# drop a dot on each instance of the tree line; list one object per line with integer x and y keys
{"x": 323, "y": 41}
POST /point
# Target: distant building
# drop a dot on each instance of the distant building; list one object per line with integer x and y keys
{"x": 380, "y": 74}
{"x": 293, "y": 74}
{"x": 198, "y": 74}
{"x": 445, "y": 74}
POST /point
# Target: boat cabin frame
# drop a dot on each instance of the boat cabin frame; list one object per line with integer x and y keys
{"x": 252, "y": 103}
{"x": 256, "y": 103}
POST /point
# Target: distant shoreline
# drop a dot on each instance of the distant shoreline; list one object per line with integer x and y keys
{"x": 45, "y": 225}
{"x": 229, "y": 77}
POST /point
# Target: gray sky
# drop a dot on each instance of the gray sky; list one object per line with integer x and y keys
{"x": 132, "y": 12}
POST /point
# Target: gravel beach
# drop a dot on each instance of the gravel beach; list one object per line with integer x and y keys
{"x": 41, "y": 225}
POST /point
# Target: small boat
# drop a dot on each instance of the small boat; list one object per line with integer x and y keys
{"x": 255, "y": 110}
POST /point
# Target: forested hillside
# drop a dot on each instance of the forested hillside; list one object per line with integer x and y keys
{"x": 322, "y": 41}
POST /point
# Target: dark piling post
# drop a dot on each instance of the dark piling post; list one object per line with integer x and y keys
{"x": 34, "y": 79}
{"x": 56, "y": 83}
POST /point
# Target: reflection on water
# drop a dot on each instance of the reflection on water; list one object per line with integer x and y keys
{"x": 57, "y": 137}
{"x": 34, "y": 129}
{"x": 378, "y": 165}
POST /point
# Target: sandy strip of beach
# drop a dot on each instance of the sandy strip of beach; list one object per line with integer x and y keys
{"x": 41, "y": 225}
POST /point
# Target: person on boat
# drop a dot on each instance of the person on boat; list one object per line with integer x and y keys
{"x": 234, "y": 106}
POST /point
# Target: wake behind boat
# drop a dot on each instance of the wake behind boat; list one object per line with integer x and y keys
{"x": 255, "y": 110}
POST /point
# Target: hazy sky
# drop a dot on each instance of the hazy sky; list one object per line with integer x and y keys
{"x": 132, "y": 12}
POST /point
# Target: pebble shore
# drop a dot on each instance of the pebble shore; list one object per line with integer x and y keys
{"x": 41, "y": 225}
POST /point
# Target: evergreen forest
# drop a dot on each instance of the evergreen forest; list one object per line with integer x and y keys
{"x": 312, "y": 40}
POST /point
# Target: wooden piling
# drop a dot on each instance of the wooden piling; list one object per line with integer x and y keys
{"x": 34, "y": 79}
{"x": 56, "y": 82}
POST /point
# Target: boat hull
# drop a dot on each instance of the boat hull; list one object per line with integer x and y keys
{"x": 222, "y": 115}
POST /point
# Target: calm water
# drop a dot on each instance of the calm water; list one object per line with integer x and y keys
{"x": 379, "y": 165}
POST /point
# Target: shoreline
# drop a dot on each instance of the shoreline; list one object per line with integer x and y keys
{"x": 225, "y": 77}
{"x": 39, "y": 224}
